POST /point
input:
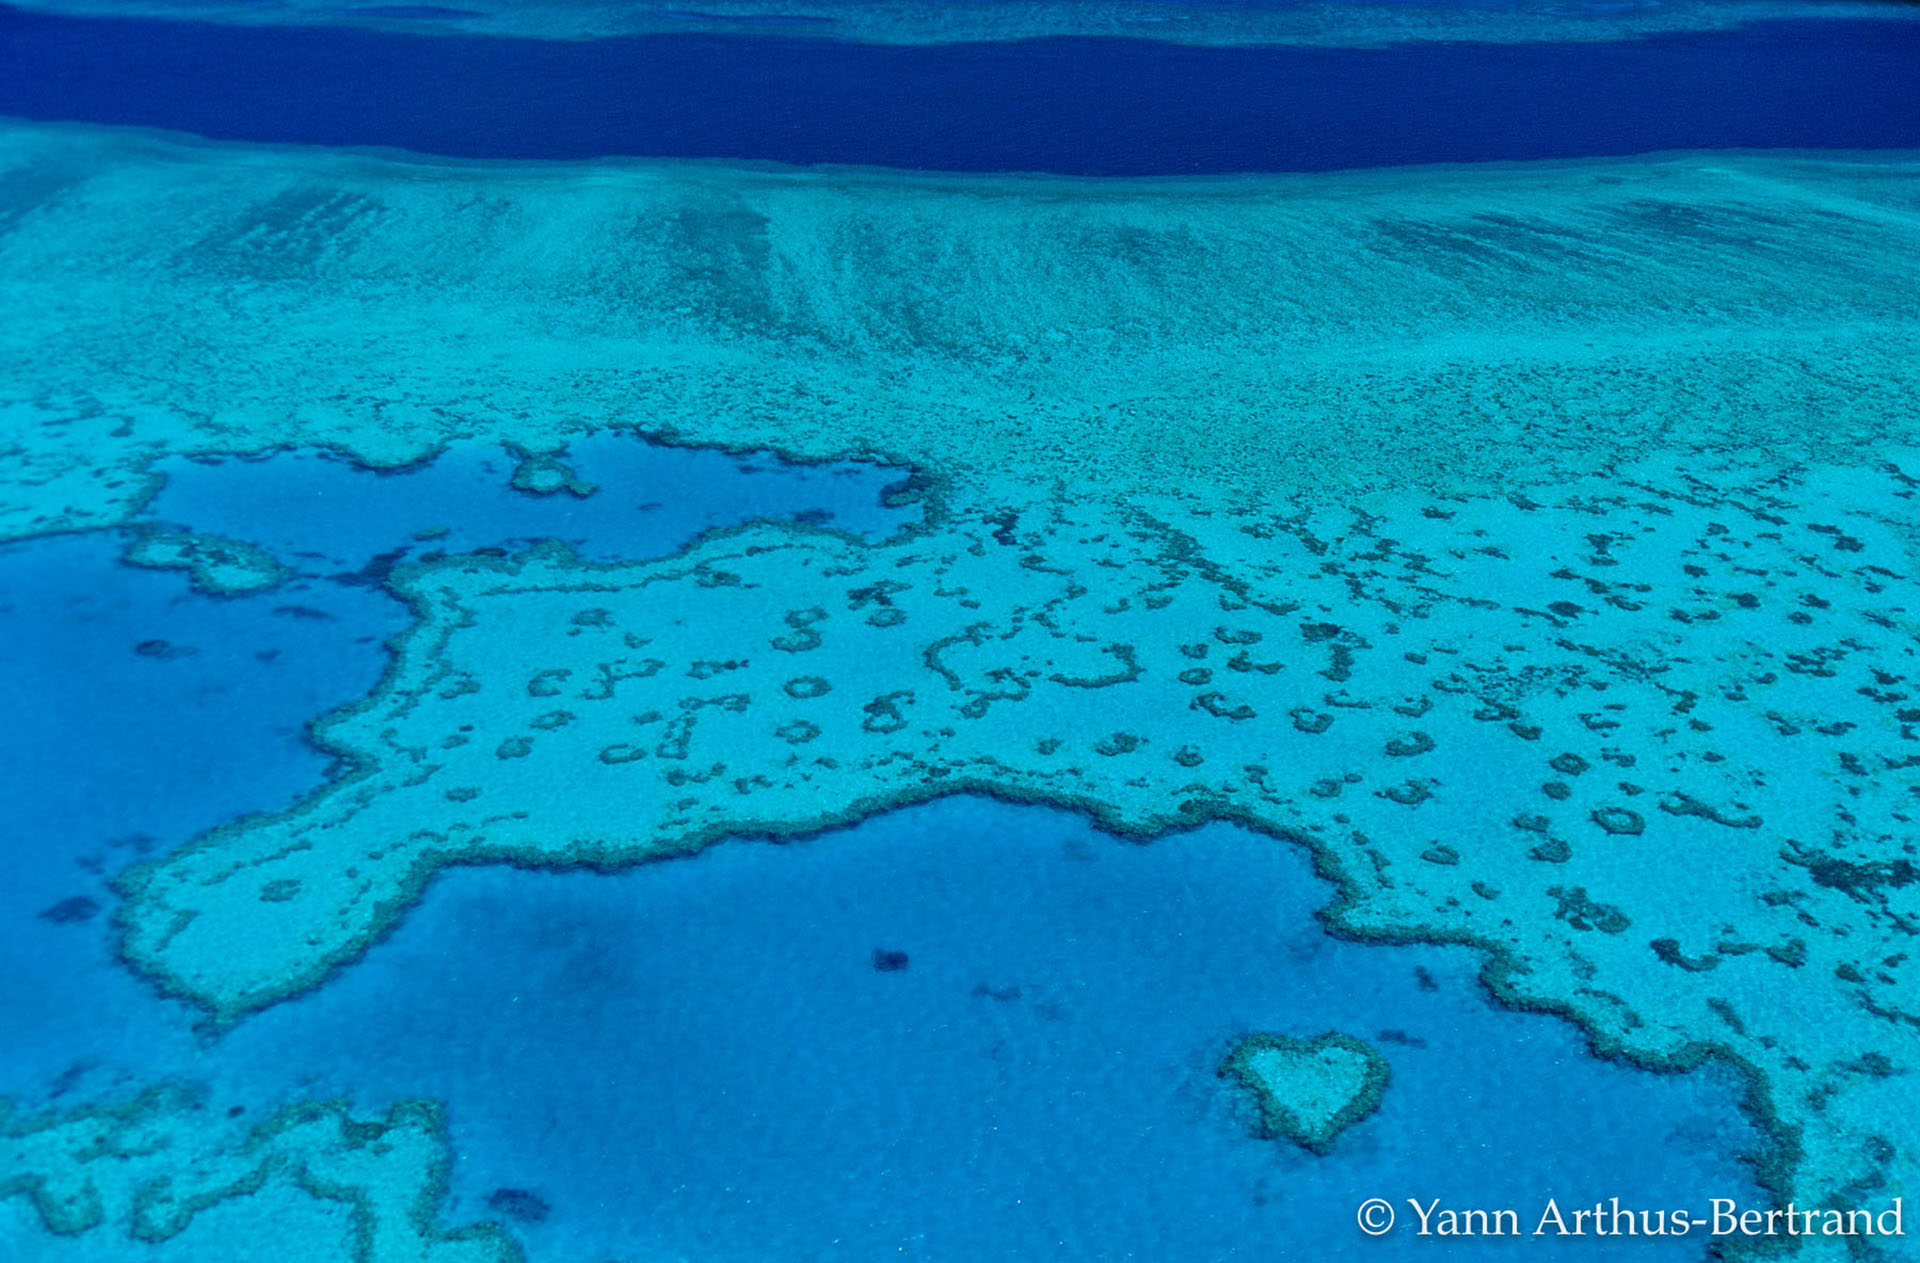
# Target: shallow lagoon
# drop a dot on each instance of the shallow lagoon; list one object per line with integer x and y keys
{"x": 699, "y": 1058}
{"x": 318, "y": 512}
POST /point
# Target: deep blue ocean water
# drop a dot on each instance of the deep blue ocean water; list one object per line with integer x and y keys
{"x": 698, "y": 1058}
{"x": 1087, "y": 106}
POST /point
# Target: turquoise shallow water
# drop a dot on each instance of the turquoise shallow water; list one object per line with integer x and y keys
{"x": 699, "y": 1058}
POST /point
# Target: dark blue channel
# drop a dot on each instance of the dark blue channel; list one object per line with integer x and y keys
{"x": 1082, "y": 106}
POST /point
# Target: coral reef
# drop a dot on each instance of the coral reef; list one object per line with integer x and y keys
{"x": 149, "y": 1167}
{"x": 1308, "y": 1090}
{"x": 1536, "y": 544}
{"x": 544, "y": 474}
{"x": 215, "y": 565}
{"x": 546, "y": 711}
{"x": 1212, "y": 343}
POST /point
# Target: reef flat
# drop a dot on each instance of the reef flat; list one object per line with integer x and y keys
{"x": 362, "y": 1190}
{"x": 1537, "y": 544}
{"x": 908, "y": 22}
{"x": 1308, "y": 1090}
{"x": 1216, "y": 343}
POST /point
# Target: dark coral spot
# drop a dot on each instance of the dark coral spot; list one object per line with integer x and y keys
{"x": 519, "y": 1203}
{"x": 1619, "y": 821}
{"x": 1569, "y": 764}
{"x": 71, "y": 910}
